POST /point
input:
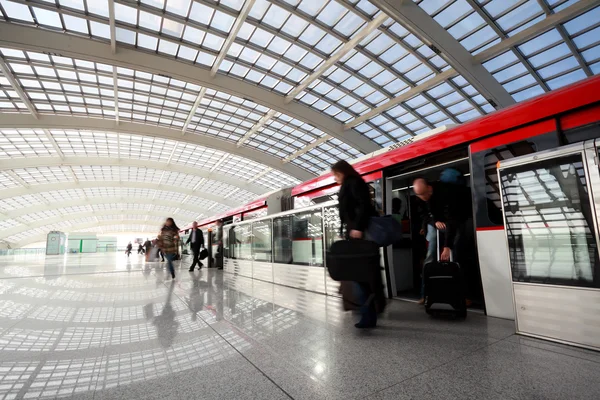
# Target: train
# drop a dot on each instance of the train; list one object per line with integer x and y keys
{"x": 532, "y": 169}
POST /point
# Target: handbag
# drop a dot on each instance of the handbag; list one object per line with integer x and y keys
{"x": 203, "y": 253}
{"x": 384, "y": 231}
{"x": 353, "y": 260}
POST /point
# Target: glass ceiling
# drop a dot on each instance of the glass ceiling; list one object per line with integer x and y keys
{"x": 280, "y": 46}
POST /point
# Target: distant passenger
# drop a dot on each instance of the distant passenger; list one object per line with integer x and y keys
{"x": 219, "y": 255}
{"x": 397, "y": 209}
{"x": 168, "y": 241}
{"x": 140, "y": 249}
{"x": 148, "y": 247}
{"x": 356, "y": 209}
{"x": 196, "y": 242}
{"x": 129, "y": 248}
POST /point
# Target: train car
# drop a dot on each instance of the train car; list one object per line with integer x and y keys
{"x": 286, "y": 246}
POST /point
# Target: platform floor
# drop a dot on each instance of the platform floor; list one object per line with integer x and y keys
{"x": 104, "y": 327}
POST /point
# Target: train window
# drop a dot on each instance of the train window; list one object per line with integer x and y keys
{"x": 298, "y": 239}
{"x": 484, "y": 175}
{"x": 261, "y": 241}
{"x": 331, "y": 219}
{"x": 240, "y": 242}
{"x": 582, "y": 133}
{"x": 549, "y": 223}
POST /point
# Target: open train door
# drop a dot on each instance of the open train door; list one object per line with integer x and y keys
{"x": 551, "y": 200}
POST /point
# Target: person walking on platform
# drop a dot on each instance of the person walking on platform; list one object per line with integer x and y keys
{"x": 148, "y": 247}
{"x": 355, "y": 210}
{"x": 219, "y": 237}
{"x": 141, "y": 249}
{"x": 196, "y": 242}
{"x": 129, "y": 248}
{"x": 168, "y": 240}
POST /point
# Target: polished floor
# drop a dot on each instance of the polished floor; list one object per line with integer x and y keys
{"x": 103, "y": 326}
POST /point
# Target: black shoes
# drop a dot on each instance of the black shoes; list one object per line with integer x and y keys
{"x": 365, "y": 325}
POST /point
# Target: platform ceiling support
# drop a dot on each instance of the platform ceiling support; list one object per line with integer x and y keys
{"x": 565, "y": 37}
{"x": 47, "y": 187}
{"x": 416, "y": 20}
{"x": 409, "y": 94}
{"x": 111, "y": 23}
{"x": 72, "y": 216}
{"x": 544, "y": 25}
{"x": 235, "y": 29}
{"x": 306, "y": 148}
{"x": 17, "y": 121}
{"x": 101, "y": 200}
{"x": 193, "y": 110}
{"x": 338, "y": 55}
{"x": 37, "y": 162}
{"x": 43, "y": 41}
{"x": 17, "y": 88}
{"x": 257, "y": 126}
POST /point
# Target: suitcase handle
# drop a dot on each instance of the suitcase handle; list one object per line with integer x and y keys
{"x": 439, "y": 249}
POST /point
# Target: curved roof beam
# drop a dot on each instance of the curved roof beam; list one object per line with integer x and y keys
{"x": 60, "y": 218}
{"x": 415, "y": 19}
{"x": 13, "y": 214}
{"x": 17, "y": 121}
{"x": 34, "y": 162}
{"x": 46, "y": 187}
{"x": 34, "y": 39}
{"x": 77, "y": 227}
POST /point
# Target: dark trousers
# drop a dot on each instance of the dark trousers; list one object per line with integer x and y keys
{"x": 368, "y": 311}
{"x": 196, "y": 259}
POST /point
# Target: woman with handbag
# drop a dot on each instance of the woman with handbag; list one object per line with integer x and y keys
{"x": 356, "y": 209}
{"x": 168, "y": 241}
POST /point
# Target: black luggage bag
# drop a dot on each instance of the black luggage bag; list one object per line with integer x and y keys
{"x": 353, "y": 260}
{"x": 444, "y": 284}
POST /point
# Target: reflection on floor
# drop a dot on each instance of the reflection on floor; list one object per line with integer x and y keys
{"x": 106, "y": 327}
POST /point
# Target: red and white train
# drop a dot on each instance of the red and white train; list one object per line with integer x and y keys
{"x": 533, "y": 173}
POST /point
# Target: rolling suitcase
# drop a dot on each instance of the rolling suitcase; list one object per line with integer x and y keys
{"x": 444, "y": 284}
{"x": 353, "y": 260}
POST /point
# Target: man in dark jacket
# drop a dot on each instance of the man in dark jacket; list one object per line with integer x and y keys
{"x": 196, "y": 242}
{"x": 449, "y": 207}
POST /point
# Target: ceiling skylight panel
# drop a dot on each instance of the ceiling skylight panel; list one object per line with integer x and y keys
{"x": 16, "y": 11}
{"x": 76, "y": 24}
{"x": 467, "y": 26}
{"x": 19, "y": 202}
{"x": 519, "y": 15}
{"x": 7, "y": 181}
{"x": 47, "y": 18}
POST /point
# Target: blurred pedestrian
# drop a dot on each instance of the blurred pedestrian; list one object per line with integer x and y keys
{"x": 168, "y": 241}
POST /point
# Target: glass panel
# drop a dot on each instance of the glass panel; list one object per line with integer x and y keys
{"x": 240, "y": 242}
{"x": 333, "y": 226}
{"x": 549, "y": 223}
{"x": 298, "y": 239}
{"x": 261, "y": 241}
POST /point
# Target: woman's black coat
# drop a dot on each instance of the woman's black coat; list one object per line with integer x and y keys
{"x": 355, "y": 204}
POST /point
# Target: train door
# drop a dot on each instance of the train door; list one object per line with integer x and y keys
{"x": 551, "y": 203}
{"x": 405, "y": 260}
